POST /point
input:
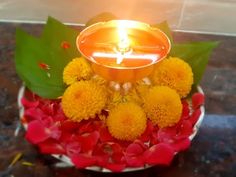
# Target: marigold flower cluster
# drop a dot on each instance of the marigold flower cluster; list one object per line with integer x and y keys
{"x": 174, "y": 73}
{"x": 163, "y": 106}
{"x": 127, "y": 121}
{"x": 83, "y": 100}
{"x": 76, "y": 70}
{"x": 157, "y": 99}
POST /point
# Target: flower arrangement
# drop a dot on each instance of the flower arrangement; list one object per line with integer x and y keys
{"x": 69, "y": 110}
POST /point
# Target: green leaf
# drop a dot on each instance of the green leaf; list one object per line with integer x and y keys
{"x": 103, "y": 17}
{"x": 27, "y": 58}
{"x": 196, "y": 54}
{"x": 163, "y": 26}
{"x": 31, "y": 52}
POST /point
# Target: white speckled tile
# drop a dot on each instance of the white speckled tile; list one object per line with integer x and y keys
{"x": 213, "y": 16}
{"x": 79, "y": 11}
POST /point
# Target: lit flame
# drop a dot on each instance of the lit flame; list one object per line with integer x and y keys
{"x": 123, "y": 45}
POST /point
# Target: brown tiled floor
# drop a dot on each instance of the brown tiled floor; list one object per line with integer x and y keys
{"x": 211, "y": 16}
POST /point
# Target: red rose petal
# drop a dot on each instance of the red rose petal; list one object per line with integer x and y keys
{"x": 181, "y": 145}
{"x": 197, "y": 100}
{"x": 115, "y": 167}
{"x": 159, "y": 154}
{"x": 88, "y": 141}
{"x": 29, "y": 104}
{"x": 69, "y": 126}
{"x": 51, "y": 146}
{"x": 83, "y": 160}
{"x": 134, "y": 161}
{"x": 117, "y": 153}
{"x": 148, "y": 131}
{"x": 134, "y": 149}
{"x": 34, "y": 113}
{"x": 195, "y": 116}
{"x": 105, "y": 136}
{"x": 37, "y": 132}
{"x": 73, "y": 148}
{"x": 185, "y": 130}
{"x": 55, "y": 132}
{"x": 167, "y": 134}
{"x": 86, "y": 127}
{"x": 185, "y": 109}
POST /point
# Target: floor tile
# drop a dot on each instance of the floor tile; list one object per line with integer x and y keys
{"x": 79, "y": 11}
{"x": 209, "y": 16}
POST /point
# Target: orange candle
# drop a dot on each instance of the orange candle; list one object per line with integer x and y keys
{"x": 123, "y": 50}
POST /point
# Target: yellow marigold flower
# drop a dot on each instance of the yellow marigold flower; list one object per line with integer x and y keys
{"x": 163, "y": 106}
{"x": 76, "y": 70}
{"x": 83, "y": 100}
{"x": 175, "y": 73}
{"x": 127, "y": 121}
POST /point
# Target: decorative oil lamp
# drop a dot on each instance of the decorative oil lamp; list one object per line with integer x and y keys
{"x": 122, "y": 50}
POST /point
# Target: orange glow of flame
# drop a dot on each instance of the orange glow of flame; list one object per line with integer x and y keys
{"x": 123, "y": 45}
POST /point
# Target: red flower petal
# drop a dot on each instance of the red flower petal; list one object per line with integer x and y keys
{"x": 83, "y": 160}
{"x": 37, "y": 132}
{"x": 181, "y": 145}
{"x": 69, "y": 126}
{"x": 115, "y": 167}
{"x": 159, "y": 154}
{"x": 51, "y": 146}
{"x": 185, "y": 110}
{"x": 29, "y": 104}
{"x": 117, "y": 153}
{"x": 88, "y": 141}
{"x": 148, "y": 131}
{"x": 34, "y": 113}
{"x": 167, "y": 134}
{"x": 134, "y": 149}
{"x": 86, "y": 127}
{"x": 54, "y": 130}
{"x": 184, "y": 130}
{"x": 134, "y": 161}
{"x": 197, "y": 100}
{"x": 73, "y": 148}
{"x": 195, "y": 116}
{"x": 105, "y": 136}
{"x": 65, "y": 45}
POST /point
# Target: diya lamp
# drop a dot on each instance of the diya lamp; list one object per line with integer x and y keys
{"x": 123, "y": 51}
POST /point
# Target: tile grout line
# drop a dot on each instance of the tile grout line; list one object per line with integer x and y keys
{"x": 181, "y": 14}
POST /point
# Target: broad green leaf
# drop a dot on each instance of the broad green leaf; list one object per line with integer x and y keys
{"x": 163, "y": 26}
{"x": 27, "y": 58}
{"x": 54, "y": 34}
{"x": 31, "y": 52}
{"x": 196, "y": 54}
{"x": 103, "y": 17}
